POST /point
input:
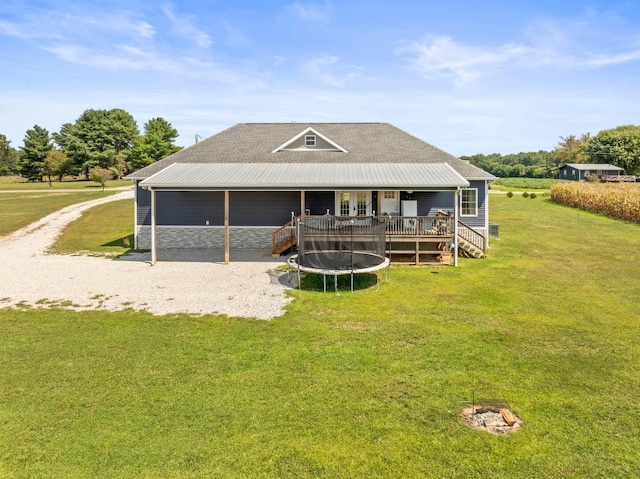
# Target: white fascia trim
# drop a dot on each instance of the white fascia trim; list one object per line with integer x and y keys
{"x": 306, "y": 132}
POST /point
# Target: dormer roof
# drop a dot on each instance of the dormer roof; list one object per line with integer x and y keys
{"x": 301, "y": 142}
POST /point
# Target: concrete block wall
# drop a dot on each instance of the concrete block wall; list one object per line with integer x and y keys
{"x": 205, "y": 237}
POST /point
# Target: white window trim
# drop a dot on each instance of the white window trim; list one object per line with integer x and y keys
{"x": 310, "y": 140}
{"x": 462, "y": 202}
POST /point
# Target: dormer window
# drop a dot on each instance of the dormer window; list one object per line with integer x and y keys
{"x": 310, "y": 140}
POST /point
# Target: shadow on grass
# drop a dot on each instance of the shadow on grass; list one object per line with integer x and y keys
{"x": 124, "y": 242}
{"x": 341, "y": 283}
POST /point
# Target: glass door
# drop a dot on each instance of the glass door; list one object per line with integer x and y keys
{"x": 353, "y": 203}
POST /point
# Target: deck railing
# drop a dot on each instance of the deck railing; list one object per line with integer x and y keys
{"x": 419, "y": 225}
{"x": 394, "y": 225}
{"x": 472, "y": 236}
{"x": 283, "y": 238}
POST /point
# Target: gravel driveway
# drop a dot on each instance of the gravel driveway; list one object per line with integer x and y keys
{"x": 188, "y": 281}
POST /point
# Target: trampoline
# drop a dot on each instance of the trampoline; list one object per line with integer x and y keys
{"x": 334, "y": 246}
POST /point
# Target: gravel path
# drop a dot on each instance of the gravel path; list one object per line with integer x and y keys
{"x": 195, "y": 282}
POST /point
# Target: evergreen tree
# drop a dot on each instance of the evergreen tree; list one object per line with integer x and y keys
{"x": 8, "y": 157}
{"x": 156, "y": 143}
{"x": 98, "y": 138}
{"x": 31, "y": 159}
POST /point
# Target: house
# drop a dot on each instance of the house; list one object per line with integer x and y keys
{"x": 245, "y": 187}
{"x": 580, "y": 171}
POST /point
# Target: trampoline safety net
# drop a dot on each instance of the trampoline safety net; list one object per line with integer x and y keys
{"x": 340, "y": 243}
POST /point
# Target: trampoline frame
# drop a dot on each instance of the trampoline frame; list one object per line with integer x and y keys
{"x": 292, "y": 263}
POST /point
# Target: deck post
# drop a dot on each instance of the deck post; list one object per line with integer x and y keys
{"x": 455, "y": 225}
{"x": 154, "y": 249}
{"x": 135, "y": 215}
{"x": 226, "y": 226}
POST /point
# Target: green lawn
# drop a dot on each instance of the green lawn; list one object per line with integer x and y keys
{"x": 20, "y": 209}
{"x": 104, "y": 229}
{"x": 365, "y": 384}
{"x": 18, "y": 183}
{"x": 524, "y": 184}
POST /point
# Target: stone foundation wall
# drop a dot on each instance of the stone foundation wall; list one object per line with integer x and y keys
{"x": 205, "y": 237}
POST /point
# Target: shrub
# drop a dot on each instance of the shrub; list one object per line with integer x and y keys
{"x": 525, "y": 195}
{"x": 509, "y": 194}
{"x": 532, "y": 196}
{"x": 592, "y": 178}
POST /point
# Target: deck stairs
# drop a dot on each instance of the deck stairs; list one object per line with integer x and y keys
{"x": 472, "y": 243}
{"x": 469, "y": 249}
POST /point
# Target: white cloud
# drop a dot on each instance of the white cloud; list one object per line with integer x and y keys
{"x": 442, "y": 57}
{"x": 585, "y": 42}
{"x": 323, "y": 68}
{"x": 311, "y": 13}
{"x": 184, "y": 26}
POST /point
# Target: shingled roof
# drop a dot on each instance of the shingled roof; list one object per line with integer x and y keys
{"x": 360, "y": 143}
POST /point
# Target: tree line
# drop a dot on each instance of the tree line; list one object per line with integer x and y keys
{"x": 100, "y": 143}
{"x": 618, "y": 146}
{"x": 108, "y": 142}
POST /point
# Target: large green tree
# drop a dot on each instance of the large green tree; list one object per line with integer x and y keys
{"x": 618, "y": 146}
{"x": 572, "y": 149}
{"x": 98, "y": 138}
{"x": 8, "y": 157}
{"x": 31, "y": 159}
{"x": 156, "y": 143}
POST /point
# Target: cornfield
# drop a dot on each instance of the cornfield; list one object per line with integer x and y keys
{"x": 619, "y": 200}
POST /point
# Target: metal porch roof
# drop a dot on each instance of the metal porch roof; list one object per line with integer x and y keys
{"x": 305, "y": 176}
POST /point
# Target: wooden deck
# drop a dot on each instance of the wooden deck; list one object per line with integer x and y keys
{"x": 408, "y": 239}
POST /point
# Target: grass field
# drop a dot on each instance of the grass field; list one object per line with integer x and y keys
{"x": 18, "y": 183}
{"x": 20, "y": 209}
{"x": 104, "y": 230}
{"x": 524, "y": 184}
{"x": 365, "y": 384}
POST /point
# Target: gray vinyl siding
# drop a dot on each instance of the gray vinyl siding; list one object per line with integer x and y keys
{"x": 143, "y": 206}
{"x": 262, "y": 208}
{"x": 195, "y": 208}
{"x": 182, "y": 208}
{"x": 430, "y": 202}
{"x": 318, "y": 202}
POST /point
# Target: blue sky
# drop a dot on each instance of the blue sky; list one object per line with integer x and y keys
{"x": 467, "y": 76}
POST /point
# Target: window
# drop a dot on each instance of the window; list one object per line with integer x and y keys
{"x": 345, "y": 202}
{"x": 310, "y": 140}
{"x": 573, "y": 172}
{"x": 564, "y": 173}
{"x": 469, "y": 202}
{"x": 389, "y": 195}
{"x": 361, "y": 204}
{"x": 599, "y": 172}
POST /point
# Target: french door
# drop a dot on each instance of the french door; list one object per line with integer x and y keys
{"x": 353, "y": 203}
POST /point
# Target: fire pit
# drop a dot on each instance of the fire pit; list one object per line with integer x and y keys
{"x": 493, "y": 416}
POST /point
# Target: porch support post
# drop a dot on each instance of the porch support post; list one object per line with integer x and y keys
{"x": 486, "y": 217}
{"x": 455, "y": 225}
{"x": 135, "y": 215}
{"x": 303, "y": 206}
{"x": 379, "y": 203}
{"x": 154, "y": 249}
{"x": 226, "y": 226}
